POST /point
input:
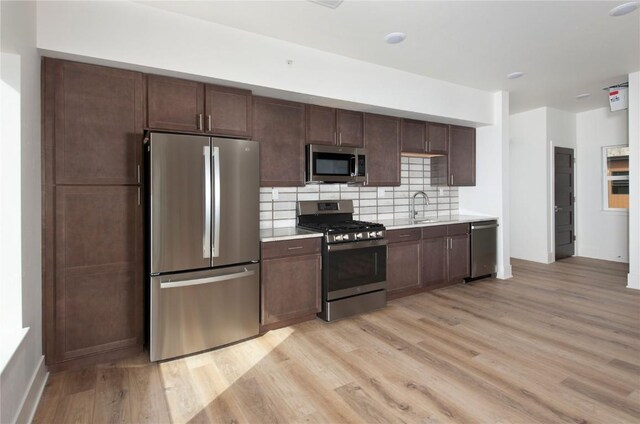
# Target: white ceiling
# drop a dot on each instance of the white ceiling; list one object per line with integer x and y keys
{"x": 565, "y": 47}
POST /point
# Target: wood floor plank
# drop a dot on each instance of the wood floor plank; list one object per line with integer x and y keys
{"x": 557, "y": 343}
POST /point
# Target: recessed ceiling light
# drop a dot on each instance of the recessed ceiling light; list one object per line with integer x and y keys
{"x": 623, "y": 9}
{"x": 515, "y": 75}
{"x": 395, "y": 37}
{"x": 583, "y": 96}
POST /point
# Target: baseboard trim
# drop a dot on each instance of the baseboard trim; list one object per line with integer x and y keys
{"x": 32, "y": 398}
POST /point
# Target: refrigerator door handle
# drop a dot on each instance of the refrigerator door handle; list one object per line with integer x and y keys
{"x": 206, "y": 231}
{"x": 216, "y": 198}
{"x": 185, "y": 283}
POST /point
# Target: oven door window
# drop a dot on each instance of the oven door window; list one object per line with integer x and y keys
{"x": 332, "y": 164}
{"x": 346, "y": 269}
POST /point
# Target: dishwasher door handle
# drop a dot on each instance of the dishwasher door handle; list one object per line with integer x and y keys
{"x": 483, "y": 227}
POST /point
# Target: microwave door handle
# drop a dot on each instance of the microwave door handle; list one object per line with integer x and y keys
{"x": 215, "y": 152}
{"x": 354, "y": 167}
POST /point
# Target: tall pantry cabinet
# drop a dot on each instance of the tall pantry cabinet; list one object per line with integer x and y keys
{"x": 93, "y": 120}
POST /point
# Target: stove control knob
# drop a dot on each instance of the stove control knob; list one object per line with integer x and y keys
{"x": 346, "y": 237}
{"x": 379, "y": 233}
{"x": 338, "y": 237}
{"x": 358, "y": 235}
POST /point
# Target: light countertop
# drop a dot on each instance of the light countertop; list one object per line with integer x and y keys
{"x": 290, "y": 233}
{"x": 397, "y": 224}
{"x": 287, "y": 233}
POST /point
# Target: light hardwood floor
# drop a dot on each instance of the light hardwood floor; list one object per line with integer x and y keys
{"x": 557, "y": 343}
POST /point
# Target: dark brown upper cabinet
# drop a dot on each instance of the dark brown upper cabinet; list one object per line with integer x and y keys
{"x": 279, "y": 126}
{"x": 437, "y": 138}
{"x": 94, "y": 116}
{"x": 462, "y": 156}
{"x": 182, "y": 105}
{"x": 175, "y": 104}
{"x": 421, "y": 137}
{"x": 331, "y": 126}
{"x": 458, "y": 168}
{"x": 382, "y": 140}
{"x": 413, "y": 136}
{"x": 228, "y": 111}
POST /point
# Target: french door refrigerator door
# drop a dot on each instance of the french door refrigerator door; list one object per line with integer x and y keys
{"x": 201, "y": 310}
{"x": 236, "y": 201}
{"x": 180, "y": 202}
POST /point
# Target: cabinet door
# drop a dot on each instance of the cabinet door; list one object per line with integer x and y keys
{"x": 413, "y": 136}
{"x": 228, "y": 111}
{"x": 403, "y": 266}
{"x": 350, "y": 128}
{"x": 94, "y": 117}
{"x": 175, "y": 104}
{"x": 98, "y": 271}
{"x": 434, "y": 271}
{"x": 382, "y": 140}
{"x": 458, "y": 257}
{"x": 291, "y": 288}
{"x": 462, "y": 156}
{"x": 321, "y": 125}
{"x": 437, "y": 138}
{"x": 279, "y": 127}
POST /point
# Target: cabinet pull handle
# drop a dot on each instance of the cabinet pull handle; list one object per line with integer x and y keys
{"x": 294, "y": 248}
{"x": 335, "y": 137}
{"x": 451, "y": 179}
{"x": 428, "y": 146}
{"x": 199, "y": 121}
{"x": 209, "y": 122}
{"x": 404, "y": 235}
{"x": 138, "y": 173}
{"x": 138, "y": 196}
{"x": 340, "y": 139}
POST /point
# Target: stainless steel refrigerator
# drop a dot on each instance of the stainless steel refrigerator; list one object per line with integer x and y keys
{"x": 203, "y": 242}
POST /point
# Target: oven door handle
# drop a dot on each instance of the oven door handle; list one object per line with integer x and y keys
{"x": 356, "y": 245}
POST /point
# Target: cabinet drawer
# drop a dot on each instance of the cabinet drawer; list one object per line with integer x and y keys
{"x": 408, "y": 234}
{"x": 437, "y": 231}
{"x": 457, "y": 229}
{"x": 279, "y": 249}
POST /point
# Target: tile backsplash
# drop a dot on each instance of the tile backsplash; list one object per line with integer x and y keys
{"x": 369, "y": 203}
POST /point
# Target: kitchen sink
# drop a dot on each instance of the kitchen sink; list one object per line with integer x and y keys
{"x": 425, "y": 220}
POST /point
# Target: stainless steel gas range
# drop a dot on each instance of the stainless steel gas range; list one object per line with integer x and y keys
{"x": 354, "y": 258}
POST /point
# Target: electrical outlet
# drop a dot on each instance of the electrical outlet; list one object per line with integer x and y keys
{"x": 381, "y": 191}
{"x": 275, "y": 194}
{"x": 441, "y": 191}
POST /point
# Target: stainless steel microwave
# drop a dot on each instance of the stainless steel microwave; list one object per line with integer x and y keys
{"x": 335, "y": 164}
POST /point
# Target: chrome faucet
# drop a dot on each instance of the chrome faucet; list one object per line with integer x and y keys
{"x": 413, "y": 202}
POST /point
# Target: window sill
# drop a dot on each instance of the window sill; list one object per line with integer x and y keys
{"x": 11, "y": 341}
{"x": 615, "y": 212}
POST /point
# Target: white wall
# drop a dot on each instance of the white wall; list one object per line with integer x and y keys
{"x": 23, "y": 377}
{"x": 601, "y": 234}
{"x": 126, "y": 34}
{"x": 633, "y": 279}
{"x": 491, "y": 194}
{"x": 529, "y": 200}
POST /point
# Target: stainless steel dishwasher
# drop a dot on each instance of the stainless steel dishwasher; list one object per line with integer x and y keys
{"x": 483, "y": 248}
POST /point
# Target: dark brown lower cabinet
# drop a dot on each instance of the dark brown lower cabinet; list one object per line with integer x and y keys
{"x": 291, "y": 282}
{"x": 93, "y": 302}
{"x": 445, "y": 255}
{"x": 403, "y": 262}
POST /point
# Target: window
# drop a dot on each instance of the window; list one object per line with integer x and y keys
{"x": 615, "y": 160}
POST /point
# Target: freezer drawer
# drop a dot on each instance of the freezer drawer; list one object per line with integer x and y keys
{"x": 483, "y": 248}
{"x": 196, "y": 311}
